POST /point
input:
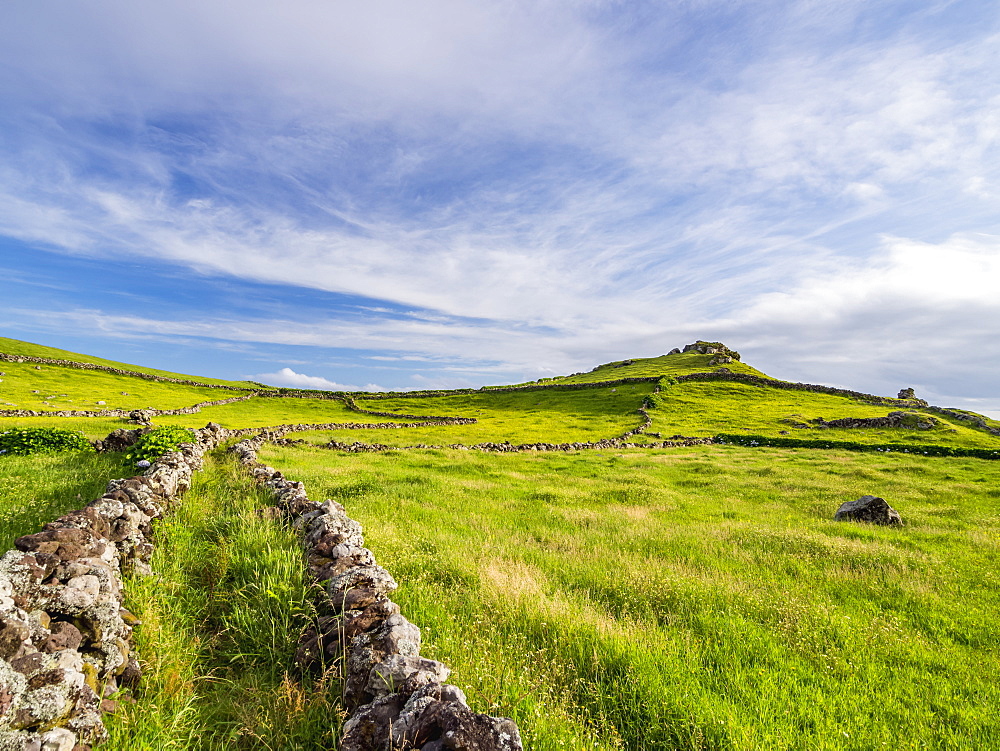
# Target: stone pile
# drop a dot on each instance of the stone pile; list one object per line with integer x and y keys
{"x": 64, "y": 632}
{"x": 395, "y": 698}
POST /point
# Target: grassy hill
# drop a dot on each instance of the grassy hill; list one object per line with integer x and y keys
{"x": 17, "y": 347}
{"x": 629, "y": 596}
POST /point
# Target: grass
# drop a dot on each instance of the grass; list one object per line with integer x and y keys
{"x": 220, "y": 619}
{"x": 696, "y": 598}
{"x": 707, "y": 408}
{"x": 60, "y": 387}
{"x": 552, "y": 415}
{"x": 18, "y": 347}
{"x": 647, "y": 367}
{"x": 37, "y": 489}
{"x": 267, "y": 412}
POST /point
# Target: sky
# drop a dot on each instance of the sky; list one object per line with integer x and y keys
{"x": 400, "y": 195}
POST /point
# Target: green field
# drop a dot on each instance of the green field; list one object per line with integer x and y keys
{"x": 261, "y": 412}
{"x": 18, "y": 347}
{"x": 655, "y": 367}
{"x": 37, "y": 489}
{"x": 54, "y": 387}
{"x": 708, "y": 408}
{"x": 692, "y": 598}
{"x": 552, "y": 415}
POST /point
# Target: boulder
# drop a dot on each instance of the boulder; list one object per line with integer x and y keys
{"x": 869, "y": 508}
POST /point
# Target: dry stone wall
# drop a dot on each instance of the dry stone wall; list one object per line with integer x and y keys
{"x": 788, "y": 385}
{"x": 117, "y": 371}
{"x": 64, "y": 631}
{"x": 138, "y": 415}
{"x": 395, "y": 698}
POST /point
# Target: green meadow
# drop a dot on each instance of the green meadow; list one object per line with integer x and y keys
{"x": 54, "y": 387}
{"x": 707, "y": 408}
{"x": 693, "y": 598}
{"x": 18, "y": 347}
{"x": 655, "y": 367}
{"x": 551, "y": 415}
{"x": 689, "y": 598}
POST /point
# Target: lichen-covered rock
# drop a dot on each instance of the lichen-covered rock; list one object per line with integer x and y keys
{"x": 394, "y": 697}
{"x": 869, "y": 508}
{"x": 64, "y": 635}
{"x": 359, "y": 586}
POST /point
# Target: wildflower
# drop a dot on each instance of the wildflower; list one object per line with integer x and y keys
{"x": 143, "y": 463}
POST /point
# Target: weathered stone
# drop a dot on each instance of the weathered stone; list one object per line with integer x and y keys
{"x": 404, "y": 674}
{"x": 869, "y": 508}
{"x": 457, "y": 728}
{"x": 370, "y": 728}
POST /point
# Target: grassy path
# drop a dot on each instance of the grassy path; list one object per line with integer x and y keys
{"x": 220, "y": 618}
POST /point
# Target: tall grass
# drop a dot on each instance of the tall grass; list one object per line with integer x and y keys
{"x": 694, "y": 599}
{"x": 37, "y": 489}
{"x": 220, "y": 619}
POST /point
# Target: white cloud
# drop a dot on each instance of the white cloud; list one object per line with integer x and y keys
{"x": 288, "y": 377}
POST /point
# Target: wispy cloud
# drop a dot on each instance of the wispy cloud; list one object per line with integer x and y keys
{"x": 524, "y": 188}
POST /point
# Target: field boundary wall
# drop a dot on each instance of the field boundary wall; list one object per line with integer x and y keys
{"x": 394, "y": 698}
{"x": 4, "y": 357}
{"x": 65, "y": 635}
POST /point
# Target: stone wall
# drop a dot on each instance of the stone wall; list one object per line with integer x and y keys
{"x": 280, "y": 430}
{"x": 64, "y": 631}
{"x": 754, "y": 380}
{"x": 975, "y": 421}
{"x": 892, "y": 420}
{"x": 139, "y": 415}
{"x": 116, "y": 371}
{"x": 394, "y": 698}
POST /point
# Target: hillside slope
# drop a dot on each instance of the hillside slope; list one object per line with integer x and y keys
{"x": 18, "y": 347}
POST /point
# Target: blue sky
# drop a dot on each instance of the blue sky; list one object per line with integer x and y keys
{"x": 453, "y": 193}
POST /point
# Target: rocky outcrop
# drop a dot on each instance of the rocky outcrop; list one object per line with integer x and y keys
{"x": 64, "y": 632}
{"x": 394, "y": 698}
{"x": 722, "y": 353}
{"x": 972, "y": 420}
{"x": 869, "y": 508}
{"x": 910, "y": 420}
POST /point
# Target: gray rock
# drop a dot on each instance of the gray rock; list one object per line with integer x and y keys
{"x": 869, "y": 508}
